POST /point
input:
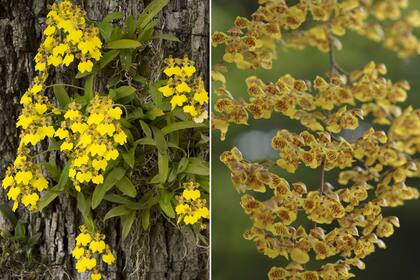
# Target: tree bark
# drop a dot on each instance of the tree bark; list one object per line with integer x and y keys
{"x": 165, "y": 251}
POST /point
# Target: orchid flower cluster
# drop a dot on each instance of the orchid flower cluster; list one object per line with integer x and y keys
{"x": 191, "y": 207}
{"x": 184, "y": 91}
{"x": 91, "y": 141}
{"x": 67, "y": 38}
{"x": 89, "y": 247}
{"x": 347, "y": 218}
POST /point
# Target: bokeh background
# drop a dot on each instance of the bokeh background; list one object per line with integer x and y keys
{"x": 236, "y": 258}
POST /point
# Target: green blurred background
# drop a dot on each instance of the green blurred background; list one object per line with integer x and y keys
{"x": 232, "y": 256}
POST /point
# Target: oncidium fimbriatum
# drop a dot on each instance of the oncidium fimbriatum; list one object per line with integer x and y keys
{"x": 346, "y": 219}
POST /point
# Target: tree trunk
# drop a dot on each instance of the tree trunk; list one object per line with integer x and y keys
{"x": 165, "y": 251}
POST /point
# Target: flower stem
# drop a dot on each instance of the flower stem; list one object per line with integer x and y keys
{"x": 335, "y": 67}
{"x": 322, "y": 183}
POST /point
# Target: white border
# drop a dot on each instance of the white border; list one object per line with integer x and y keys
{"x": 210, "y": 141}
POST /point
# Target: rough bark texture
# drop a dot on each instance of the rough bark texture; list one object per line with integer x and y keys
{"x": 165, "y": 252}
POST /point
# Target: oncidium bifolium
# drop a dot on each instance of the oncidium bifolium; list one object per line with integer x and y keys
{"x": 94, "y": 136}
{"x": 347, "y": 223}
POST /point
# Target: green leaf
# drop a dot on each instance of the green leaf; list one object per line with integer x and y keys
{"x": 111, "y": 179}
{"x": 82, "y": 75}
{"x": 174, "y": 137}
{"x": 204, "y": 182}
{"x": 165, "y": 203}
{"x": 151, "y": 142}
{"x": 150, "y": 12}
{"x": 205, "y": 139}
{"x": 34, "y": 239}
{"x": 116, "y": 34}
{"x": 172, "y": 145}
{"x": 20, "y": 230}
{"x": 126, "y": 124}
{"x": 8, "y": 213}
{"x": 197, "y": 231}
{"x": 88, "y": 221}
{"x": 197, "y": 167}
{"x": 153, "y": 113}
{"x": 147, "y": 33}
{"x": 140, "y": 79}
{"x": 163, "y": 165}
{"x": 182, "y": 165}
{"x": 172, "y": 175}
{"x": 64, "y": 177}
{"x": 125, "y": 101}
{"x": 155, "y": 179}
{"x": 156, "y": 94}
{"x": 149, "y": 200}
{"x": 126, "y": 59}
{"x": 129, "y": 157}
{"x": 113, "y": 16}
{"x": 61, "y": 95}
{"x": 122, "y": 92}
{"x": 115, "y": 198}
{"x": 166, "y": 36}
{"x": 117, "y": 211}
{"x": 54, "y": 145}
{"x": 83, "y": 204}
{"x": 130, "y": 25}
{"x": 108, "y": 57}
{"x": 53, "y": 170}
{"x": 89, "y": 87}
{"x": 124, "y": 44}
{"x": 145, "y": 218}
{"x": 127, "y": 223}
{"x": 146, "y": 129}
{"x": 180, "y": 125}
{"x": 81, "y": 100}
{"x": 163, "y": 158}
{"x": 48, "y": 197}
{"x": 105, "y": 28}
{"x": 126, "y": 187}
{"x": 160, "y": 140}
{"x": 145, "y": 141}
{"x": 136, "y": 114}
